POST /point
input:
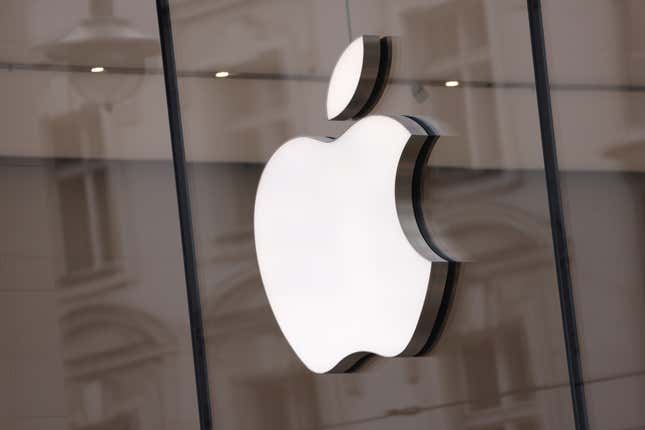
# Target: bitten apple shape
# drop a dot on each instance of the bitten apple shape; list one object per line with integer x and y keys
{"x": 342, "y": 276}
{"x": 346, "y": 260}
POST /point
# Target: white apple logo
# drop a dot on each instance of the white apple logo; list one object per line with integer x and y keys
{"x": 343, "y": 262}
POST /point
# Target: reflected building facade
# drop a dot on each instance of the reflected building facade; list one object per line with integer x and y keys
{"x": 94, "y": 321}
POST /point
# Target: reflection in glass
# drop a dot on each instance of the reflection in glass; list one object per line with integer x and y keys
{"x": 598, "y": 99}
{"x": 500, "y": 362}
{"x": 93, "y": 318}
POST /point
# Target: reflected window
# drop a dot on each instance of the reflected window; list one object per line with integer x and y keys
{"x": 498, "y": 378}
{"x": 455, "y": 38}
{"x": 482, "y": 379}
{"x": 90, "y": 238}
{"x": 497, "y": 365}
{"x": 277, "y": 403}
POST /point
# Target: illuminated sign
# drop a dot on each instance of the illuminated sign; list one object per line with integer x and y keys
{"x": 345, "y": 266}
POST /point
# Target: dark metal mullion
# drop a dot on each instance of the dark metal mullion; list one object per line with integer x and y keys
{"x": 185, "y": 217}
{"x": 558, "y": 231}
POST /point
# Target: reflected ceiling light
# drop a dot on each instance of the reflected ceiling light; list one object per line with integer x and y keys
{"x": 97, "y": 69}
{"x": 452, "y": 83}
{"x": 222, "y": 74}
{"x": 106, "y": 40}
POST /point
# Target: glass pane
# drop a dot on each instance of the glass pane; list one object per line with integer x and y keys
{"x": 596, "y": 60}
{"x": 500, "y": 362}
{"x": 93, "y": 317}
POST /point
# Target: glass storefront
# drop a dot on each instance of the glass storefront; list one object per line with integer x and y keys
{"x": 95, "y": 325}
{"x": 597, "y": 70}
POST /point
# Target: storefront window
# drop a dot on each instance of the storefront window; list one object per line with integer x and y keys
{"x": 103, "y": 307}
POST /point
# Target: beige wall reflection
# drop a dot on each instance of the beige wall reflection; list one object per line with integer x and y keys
{"x": 93, "y": 316}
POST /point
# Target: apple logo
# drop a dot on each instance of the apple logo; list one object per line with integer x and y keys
{"x": 347, "y": 266}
